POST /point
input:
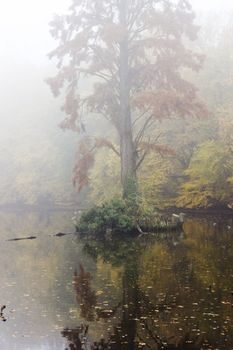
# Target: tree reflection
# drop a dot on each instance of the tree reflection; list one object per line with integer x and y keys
{"x": 87, "y": 299}
{"x": 173, "y": 292}
{"x": 138, "y": 320}
{"x": 85, "y": 295}
{"x": 78, "y": 339}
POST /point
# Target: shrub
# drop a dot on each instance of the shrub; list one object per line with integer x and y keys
{"x": 113, "y": 215}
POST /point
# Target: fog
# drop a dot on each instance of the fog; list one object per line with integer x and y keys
{"x": 116, "y": 175}
{"x": 29, "y": 115}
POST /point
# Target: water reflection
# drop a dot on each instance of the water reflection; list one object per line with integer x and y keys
{"x": 85, "y": 296}
{"x": 166, "y": 292}
{"x": 173, "y": 296}
{"x": 78, "y": 340}
{"x": 33, "y": 281}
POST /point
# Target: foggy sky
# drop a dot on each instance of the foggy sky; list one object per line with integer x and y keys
{"x": 28, "y": 110}
{"x": 26, "y": 41}
{"x": 24, "y": 31}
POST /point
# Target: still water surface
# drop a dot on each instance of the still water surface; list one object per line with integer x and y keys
{"x": 172, "y": 292}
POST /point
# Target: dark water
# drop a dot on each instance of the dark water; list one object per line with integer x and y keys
{"x": 175, "y": 292}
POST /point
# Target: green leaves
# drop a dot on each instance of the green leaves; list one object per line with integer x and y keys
{"x": 112, "y": 215}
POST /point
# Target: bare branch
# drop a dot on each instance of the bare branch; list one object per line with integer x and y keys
{"x": 143, "y": 130}
{"x": 101, "y": 142}
{"x": 140, "y": 116}
{"x": 141, "y": 160}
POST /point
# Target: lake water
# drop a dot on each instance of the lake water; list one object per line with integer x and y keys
{"x": 169, "y": 292}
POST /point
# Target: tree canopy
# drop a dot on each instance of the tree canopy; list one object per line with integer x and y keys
{"x": 123, "y": 60}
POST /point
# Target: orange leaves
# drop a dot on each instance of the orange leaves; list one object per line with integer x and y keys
{"x": 167, "y": 103}
{"x": 124, "y": 61}
{"x": 84, "y": 164}
{"x": 89, "y": 38}
{"x": 86, "y": 157}
{"x": 160, "y": 104}
{"x": 72, "y": 109}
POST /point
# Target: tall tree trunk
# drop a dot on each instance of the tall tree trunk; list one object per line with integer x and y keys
{"x": 128, "y": 154}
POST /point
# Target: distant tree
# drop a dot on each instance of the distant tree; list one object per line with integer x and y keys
{"x": 209, "y": 177}
{"x": 131, "y": 54}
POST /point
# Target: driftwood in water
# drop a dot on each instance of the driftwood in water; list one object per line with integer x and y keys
{"x": 61, "y": 234}
{"x": 21, "y": 239}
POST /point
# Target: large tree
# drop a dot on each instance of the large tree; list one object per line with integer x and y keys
{"x": 132, "y": 54}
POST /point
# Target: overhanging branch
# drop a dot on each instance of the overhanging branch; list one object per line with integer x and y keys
{"x": 143, "y": 130}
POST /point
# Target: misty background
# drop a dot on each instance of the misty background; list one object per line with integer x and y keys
{"x": 36, "y": 156}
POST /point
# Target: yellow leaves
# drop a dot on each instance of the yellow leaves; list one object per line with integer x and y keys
{"x": 157, "y": 186}
{"x": 105, "y": 177}
{"x": 209, "y": 177}
{"x": 226, "y": 124}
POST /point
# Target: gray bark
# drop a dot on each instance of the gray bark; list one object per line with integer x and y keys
{"x": 128, "y": 154}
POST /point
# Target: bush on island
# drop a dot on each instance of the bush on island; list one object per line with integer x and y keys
{"x": 111, "y": 216}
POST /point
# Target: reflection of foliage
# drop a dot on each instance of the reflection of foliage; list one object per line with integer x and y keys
{"x": 209, "y": 250}
{"x": 76, "y": 337}
{"x": 114, "y": 251}
{"x": 78, "y": 340}
{"x": 86, "y": 297}
{"x": 173, "y": 295}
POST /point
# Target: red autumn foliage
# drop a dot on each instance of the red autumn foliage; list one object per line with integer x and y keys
{"x": 86, "y": 153}
{"x": 131, "y": 53}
